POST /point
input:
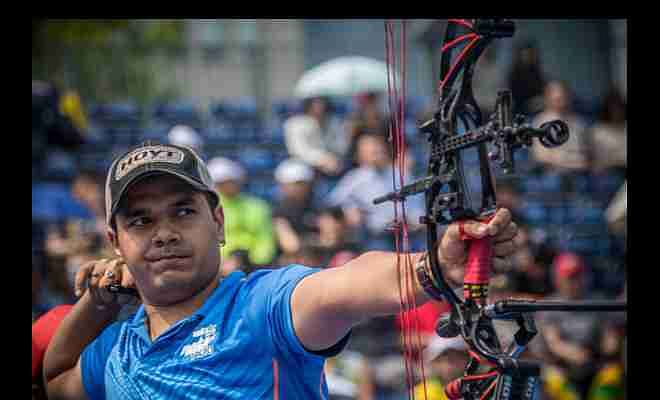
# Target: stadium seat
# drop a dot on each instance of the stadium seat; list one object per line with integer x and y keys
{"x": 257, "y": 161}
{"x": 52, "y": 202}
{"x": 534, "y": 212}
{"x": 124, "y": 113}
{"x": 184, "y": 112}
{"x": 546, "y": 183}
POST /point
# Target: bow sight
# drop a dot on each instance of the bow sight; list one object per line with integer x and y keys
{"x": 495, "y": 139}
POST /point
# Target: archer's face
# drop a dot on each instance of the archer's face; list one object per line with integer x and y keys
{"x": 169, "y": 237}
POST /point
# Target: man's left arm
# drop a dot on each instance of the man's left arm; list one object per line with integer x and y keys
{"x": 327, "y": 304}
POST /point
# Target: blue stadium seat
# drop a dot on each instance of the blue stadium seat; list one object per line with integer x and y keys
{"x": 273, "y": 133}
{"x": 585, "y": 214}
{"x": 541, "y": 184}
{"x": 285, "y": 108}
{"x": 557, "y": 214}
{"x": 606, "y": 186}
{"x": 52, "y": 202}
{"x": 257, "y": 161}
{"x": 177, "y": 112}
{"x": 534, "y": 212}
{"x": 236, "y": 120}
{"x": 59, "y": 165}
{"x": 264, "y": 188}
{"x": 155, "y": 132}
{"x": 126, "y": 113}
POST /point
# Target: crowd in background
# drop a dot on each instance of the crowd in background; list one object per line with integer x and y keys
{"x": 313, "y": 206}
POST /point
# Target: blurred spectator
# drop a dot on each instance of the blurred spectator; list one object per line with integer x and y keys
{"x": 572, "y": 338}
{"x": 447, "y": 359}
{"x": 307, "y": 256}
{"x": 68, "y": 247}
{"x": 71, "y": 106}
{"x": 88, "y": 189}
{"x": 368, "y": 118}
{"x": 238, "y": 260}
{"x": 529, "y": 275}
{"x": 608, "y": 384}
{"x": 315, "y": 138}
{"x": 573, "y": 154}
{"x": 52, "y": 126}
{"x": 608, "y": 147}
{"x": 43, "y": 330}
{"x": 333, "y": 237}
{"x": 294, "y": 213}
{"x": 248, "y": 222}
{"x": 374, "y": 177}
{"x": 617, "y": 212}
{"x": 526, "y": 79}
{"x": 349, "y": 377}
{"x": 183, "y": 135}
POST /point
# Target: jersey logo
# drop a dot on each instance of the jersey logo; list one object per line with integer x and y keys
{"x": 145, "y": 155}
{"x": 202, "y": 346}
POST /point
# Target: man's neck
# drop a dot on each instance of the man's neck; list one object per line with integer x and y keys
{"x": 160, "y": 318}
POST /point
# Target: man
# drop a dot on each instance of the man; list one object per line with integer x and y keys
{"x": 295, "y": 212}
{"x": 248, "y": 222}
{"x": 201, "y": 335}
{"x": 356, "y": 191}
{"x": 316, "y": 138}
{"x": 572, "y": 155}
{"x": 572, "y": 338}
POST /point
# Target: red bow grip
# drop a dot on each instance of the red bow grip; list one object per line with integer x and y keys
{"x": 479, "y": 265}
{"x": 453, "y": 389}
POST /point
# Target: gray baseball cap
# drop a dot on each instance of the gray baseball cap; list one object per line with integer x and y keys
{"x": 149, "y": 158}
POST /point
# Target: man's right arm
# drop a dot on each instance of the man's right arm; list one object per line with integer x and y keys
{"x": 95, "y": 310}
{"x": 62, "y": 371}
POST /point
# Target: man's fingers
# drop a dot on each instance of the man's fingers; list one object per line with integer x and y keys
{"x": 510, "y": 232}
{"x": 127, "y": 280}
{"x": 81, "y": 277}
{"x": 504, "y": 249}
{"x": 97, "y": 274}
{"x": 470, "y": 228}
{"x": 501, "y": 264}
{"x": 500, "y": 220}
{"x": 114, "y": 272}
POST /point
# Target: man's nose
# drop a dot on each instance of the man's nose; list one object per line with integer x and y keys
{"x": 166, "y": 234}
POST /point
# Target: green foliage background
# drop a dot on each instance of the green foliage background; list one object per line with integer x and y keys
{"x": 107, "y": 60}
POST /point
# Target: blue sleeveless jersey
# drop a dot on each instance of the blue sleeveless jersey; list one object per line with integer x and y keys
{"x": 239, "y": 345}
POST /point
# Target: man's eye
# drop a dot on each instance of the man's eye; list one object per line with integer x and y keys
{"x": 137, "y": 222}
{"x": 182, "y": 212}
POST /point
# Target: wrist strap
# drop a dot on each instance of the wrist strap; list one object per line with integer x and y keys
{"x": 426, "y": 280}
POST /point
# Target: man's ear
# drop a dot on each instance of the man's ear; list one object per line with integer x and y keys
{"x": 219, "y": 217}
{"x": 114, "y": 240}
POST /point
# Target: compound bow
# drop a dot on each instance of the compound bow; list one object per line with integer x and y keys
{"x": 448, "y": 200}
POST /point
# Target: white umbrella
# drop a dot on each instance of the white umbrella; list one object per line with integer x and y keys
{"x": 343, "y": 76}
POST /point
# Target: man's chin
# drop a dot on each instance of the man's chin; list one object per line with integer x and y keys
{"x": 174, "y": 287}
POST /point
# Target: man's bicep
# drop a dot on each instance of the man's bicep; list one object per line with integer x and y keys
{"x": 316, "y": 311}
{"x": 68, "y": 385}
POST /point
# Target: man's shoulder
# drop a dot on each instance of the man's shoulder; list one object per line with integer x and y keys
{"x": 277, "y": 277}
